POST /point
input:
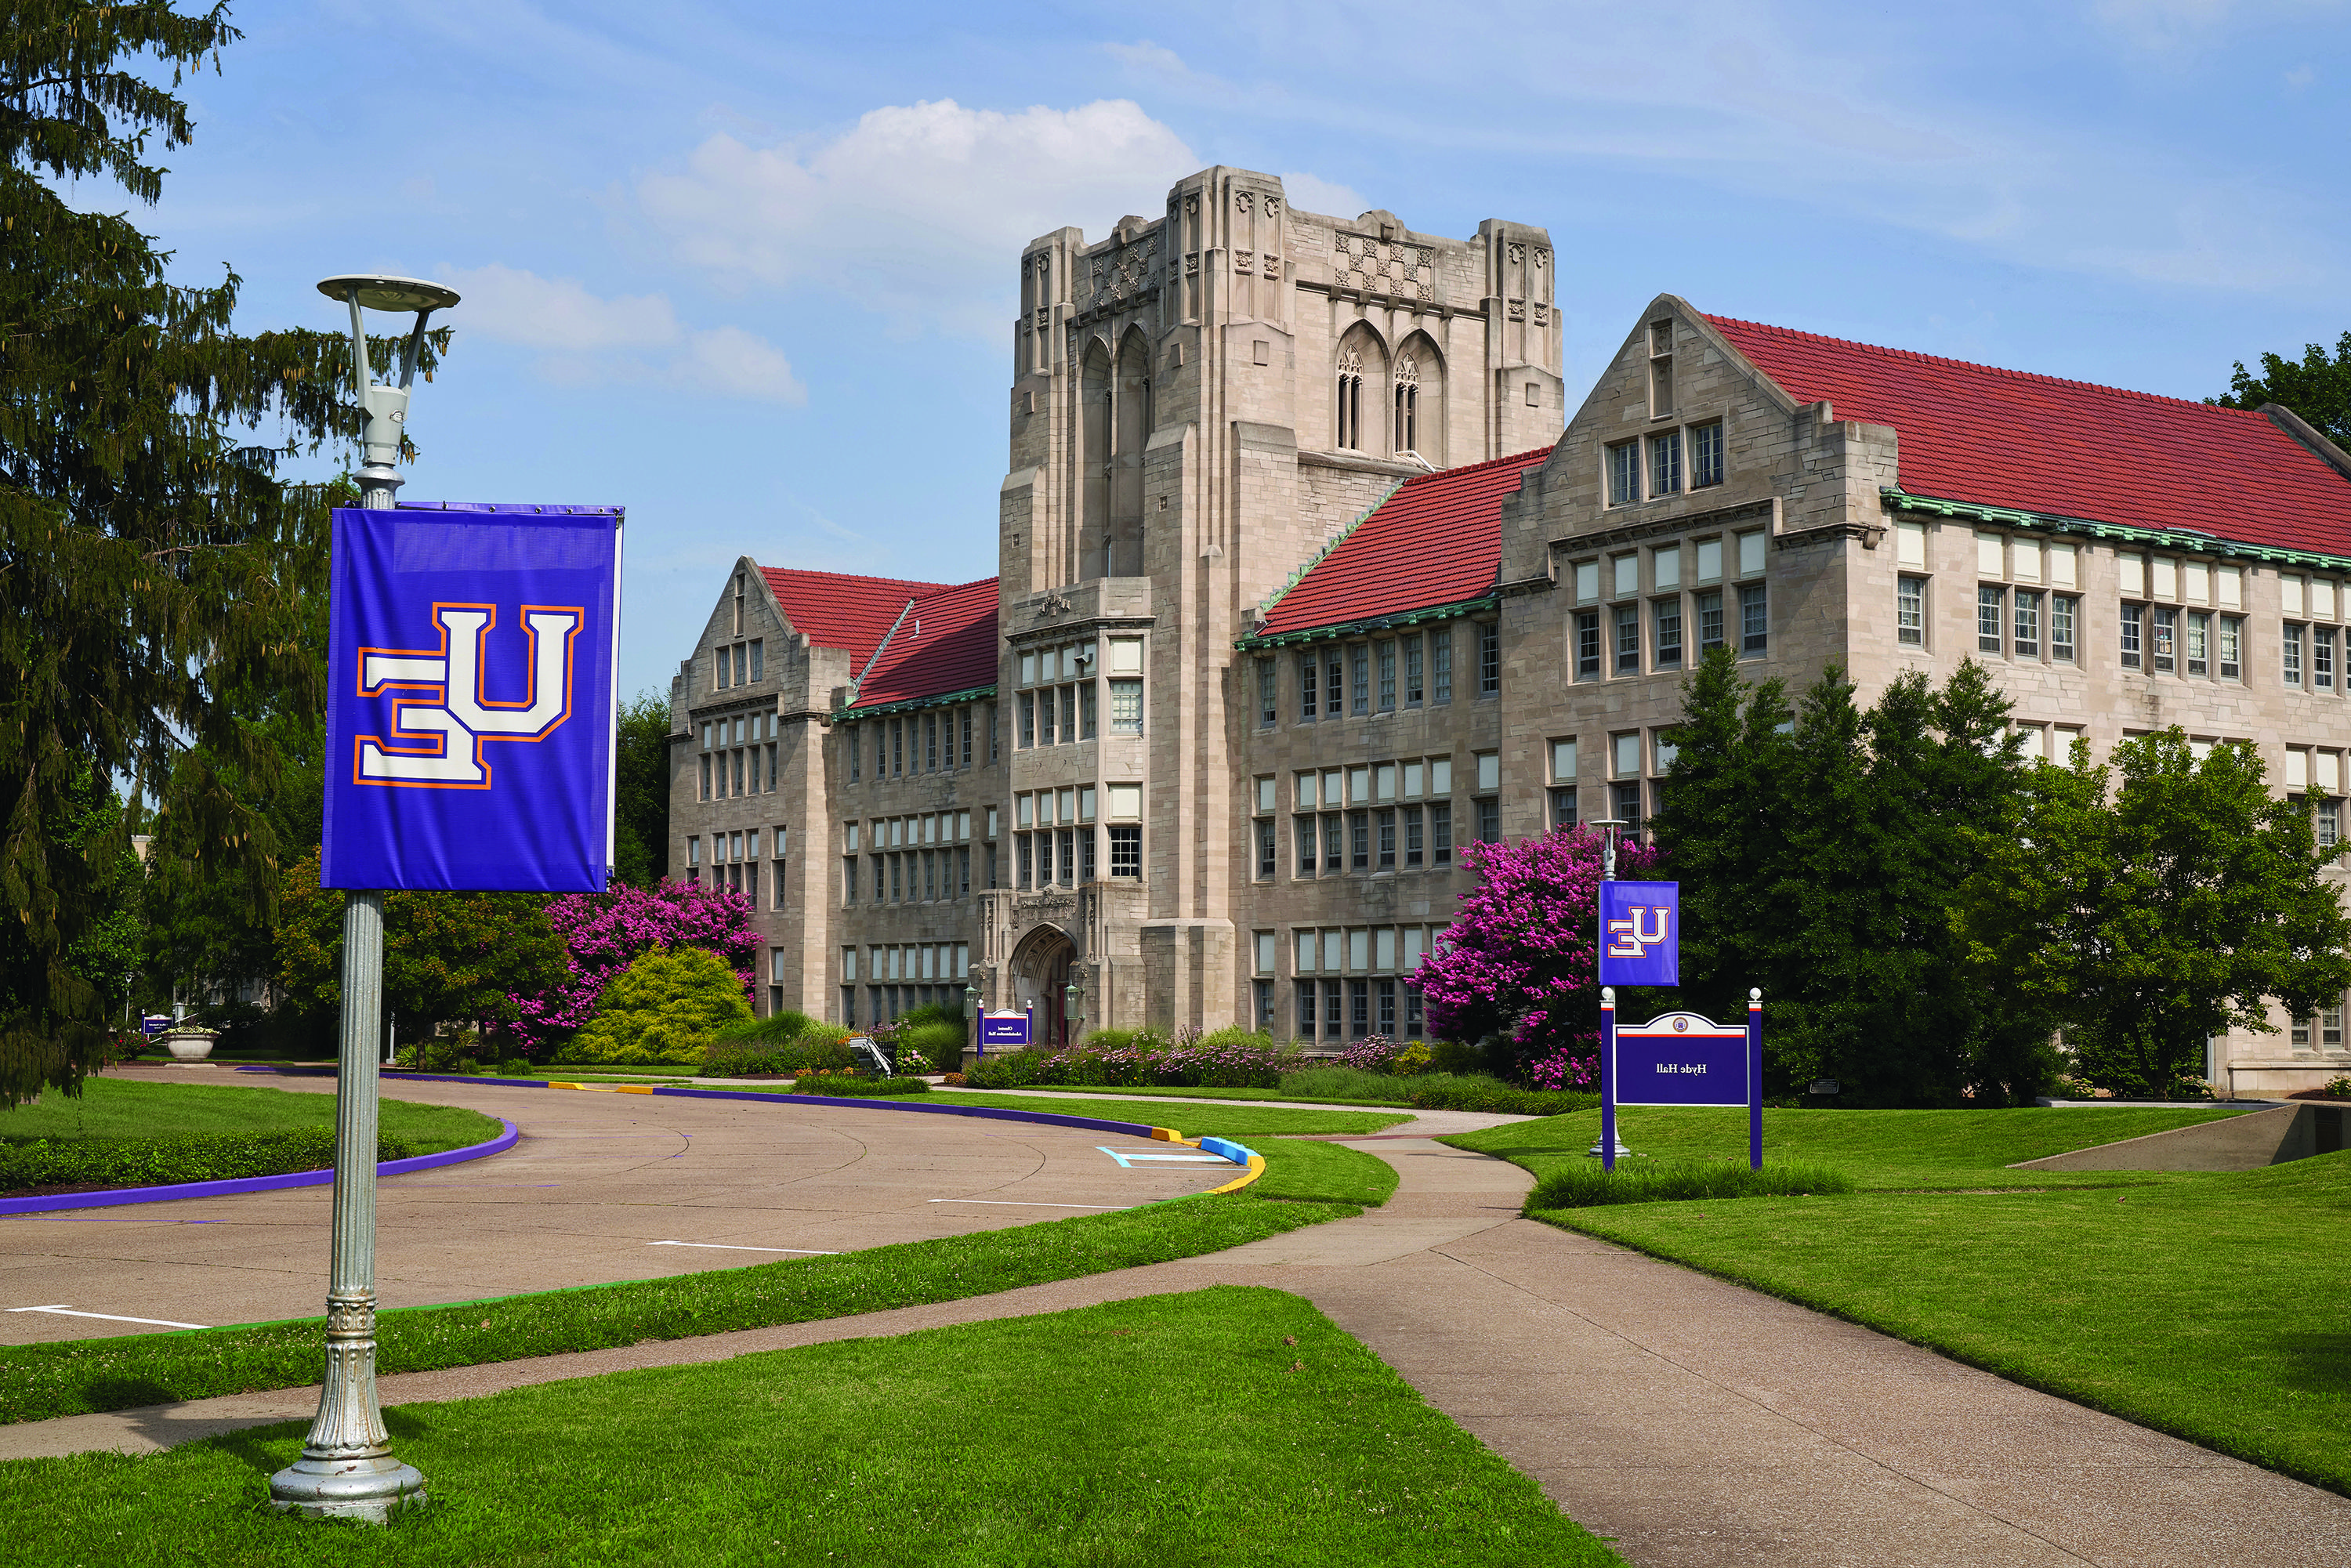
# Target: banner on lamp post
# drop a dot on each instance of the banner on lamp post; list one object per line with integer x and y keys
{"x": 471, "y": 690}
{"x": 1641, "y": 933}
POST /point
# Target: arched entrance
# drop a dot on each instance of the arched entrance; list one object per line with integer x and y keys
{"x": 1041, "y": 976}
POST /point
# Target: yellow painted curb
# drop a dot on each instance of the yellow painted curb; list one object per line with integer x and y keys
{"x": 1255, "y": 1169}
{"x": 1168, "y": 1134}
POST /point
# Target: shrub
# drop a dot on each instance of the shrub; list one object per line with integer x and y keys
{"x": 1373, "y": 1053}
{"x": 664, "y": 1007}
{"x": 1457, "y": 1057}
{"x": 1411, "y": 1060}
{"x": 1004, "y": 1069}
{"x": 155, "y": 1162}
{"x": 931, "y": 1047}
{"x": 1476, "y": 1091}
{"x": 932, "y": 1013}
{"x": 727, "y": 1057}
{"x": 1681, "y": 1181}
{"x": 850, "y": 1086}
{"x": 2336, "y": 1089}
{"x": 1332, "y": 1082}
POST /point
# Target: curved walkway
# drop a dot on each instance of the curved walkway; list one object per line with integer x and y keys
{"x": 601, "y": 1187}
{"x": 1698, "y": 1424}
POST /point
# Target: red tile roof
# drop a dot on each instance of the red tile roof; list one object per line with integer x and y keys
{"x": 1437, "y": 541}
{"x": 835, "y": 611}
{"x": 946, "y": 644}
{"x": 2004, "y": 438}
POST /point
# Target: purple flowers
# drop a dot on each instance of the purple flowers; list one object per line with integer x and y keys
{"x": 1517, "y": 963}
{"x": 603, "y": 931}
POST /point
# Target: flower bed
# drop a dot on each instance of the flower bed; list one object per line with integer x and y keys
{"x": 1118, "y": 1059}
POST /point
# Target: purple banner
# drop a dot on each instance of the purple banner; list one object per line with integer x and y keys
{"x": 1640, "y": 932}
{"x": 470, "y": 715}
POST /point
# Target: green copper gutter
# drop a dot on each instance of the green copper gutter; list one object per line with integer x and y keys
{"x": 2162, "y": 538}
{"x": 883, "y": 710}
{"x": 1402, "y": 618}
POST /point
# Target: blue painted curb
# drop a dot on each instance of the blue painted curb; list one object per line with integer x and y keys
{"x": 47, "y": 1203}
{"x": 1230, "y": 1150}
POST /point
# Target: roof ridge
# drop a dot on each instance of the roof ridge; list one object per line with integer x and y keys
{"x": 857, "y": 577}
{"x": 1970, "y": 365}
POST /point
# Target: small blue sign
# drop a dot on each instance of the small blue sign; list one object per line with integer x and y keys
{"x": 1640, "y": 932}
{"x": 154, "y": 1023}
{"x": 1000, "y": 1029}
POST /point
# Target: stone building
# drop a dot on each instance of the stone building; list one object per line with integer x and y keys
{"x": 1306, "y": 577}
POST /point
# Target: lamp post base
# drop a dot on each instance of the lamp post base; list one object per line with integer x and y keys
{"x": 362, "y": 1489}
{"x": 1621, "y": 1150}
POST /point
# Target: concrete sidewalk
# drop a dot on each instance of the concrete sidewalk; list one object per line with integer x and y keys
{"x": 1695, "y": 1422}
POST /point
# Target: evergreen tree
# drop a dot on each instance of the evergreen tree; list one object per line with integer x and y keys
{"x": 2175, "y": 908}
{"x": 152, "y": 567}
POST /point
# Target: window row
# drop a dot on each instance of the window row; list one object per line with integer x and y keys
{"x": 1351, "y": 949}
{"x": 1075, "y": 803}
{"x": 885, "y": 1004}
{"x": 945, "y": 741}
{"x": 1622, "y": 575}
{"x": 1065, "y": 857}
{"x": 1349, "y": 1010}
{"x": 734, "y": 862}
{"x": 734, "y": 761}
{"x": 1387, "y": 839}
{"x": 1058, "y": 716}
{"x": 738, "y": 664}
{"x": 928, "y": 828}
{"x": 1075, "y": 661}
{"x": 1668, "y": 633}
{"x": 910, "y": 961}
{"x": 1348, "y": 680}
{"x": 915, "y": 877}
{"x": 1374, "y": 782}
{"x": 1689, "y": 457}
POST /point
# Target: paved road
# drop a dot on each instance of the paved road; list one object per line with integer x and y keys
{"x": 599, "y": 1182}
{"x": 1700, "y": 1425}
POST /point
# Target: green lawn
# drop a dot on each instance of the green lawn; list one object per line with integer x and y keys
{"x": 131, "y": 1108}
{"x": 1881, "y": 1150}
{"x": 1229, "y": 1425}
{"x": 1304, "y": 1183}
{"x": 2211, "y": 1307}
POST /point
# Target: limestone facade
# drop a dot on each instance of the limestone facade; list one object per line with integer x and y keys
{"x": 1207, "y": 401}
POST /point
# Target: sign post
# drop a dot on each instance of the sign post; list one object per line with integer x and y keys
{"x": 1682, "y": 1059}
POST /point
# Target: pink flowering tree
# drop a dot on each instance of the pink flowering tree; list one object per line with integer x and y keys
{"x": 1515, "y": 967}
{"x": 601, "y": 932}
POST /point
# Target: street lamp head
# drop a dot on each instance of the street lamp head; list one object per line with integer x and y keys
{"x": 381, "y": 291}
{"x": 384, "y": 408}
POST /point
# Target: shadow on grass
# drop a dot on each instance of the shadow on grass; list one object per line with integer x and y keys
{"x": 2323, "y": 1361}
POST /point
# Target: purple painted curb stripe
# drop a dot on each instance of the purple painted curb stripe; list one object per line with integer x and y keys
{"x": 505, "y": 1140}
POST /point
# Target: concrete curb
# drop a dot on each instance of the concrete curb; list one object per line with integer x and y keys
{"x": 505, "y": 1140}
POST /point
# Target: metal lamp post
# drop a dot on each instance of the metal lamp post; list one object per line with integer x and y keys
{"x": 347, "y": 1468}
{"x": 1609, "y": 827}
{"x": 970, "y": 1019}
{"x": 1073, "y": 1009}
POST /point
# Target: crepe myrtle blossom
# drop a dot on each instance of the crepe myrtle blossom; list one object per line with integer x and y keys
{"x": 1516, "y": 966}
{"x": 601, "y": 932}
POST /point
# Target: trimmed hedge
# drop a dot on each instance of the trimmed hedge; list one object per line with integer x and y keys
{"x": 842, "y": 1085}
{"x": 1681, "y": 1181}
{"x": 155, "y": 1162}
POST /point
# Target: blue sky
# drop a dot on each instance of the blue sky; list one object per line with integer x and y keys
{"x": 754, "y": 279}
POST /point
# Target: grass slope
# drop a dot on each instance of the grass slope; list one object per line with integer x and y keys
{"x": 2211, "y": 1307}
{"x": 1304, "y": 1183}
{"x": 1881, "y": 1150}
{"x": 1229, "y": 1425}
{"x": 130, "y": 1108}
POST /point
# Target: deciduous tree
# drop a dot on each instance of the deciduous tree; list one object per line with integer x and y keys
{"x": 2317, "y": 387}
{"x": 2155, "y": 901}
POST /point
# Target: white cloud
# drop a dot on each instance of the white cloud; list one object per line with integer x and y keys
{"x": 585, "y": 340}
{"x": 1322, "y": 196}
{"x": 1147, "y": 56}
{"x": 918, "y": 211}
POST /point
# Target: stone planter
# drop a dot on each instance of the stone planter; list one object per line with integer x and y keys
{"x": 189, "y": 1045}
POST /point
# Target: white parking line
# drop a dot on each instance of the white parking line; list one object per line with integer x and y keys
{"x": 1127, "y": 1161}
{"x": 727, "y": 1247}
{"x": 1016, "y": 1203}
{"x": 65, "y": 1312}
